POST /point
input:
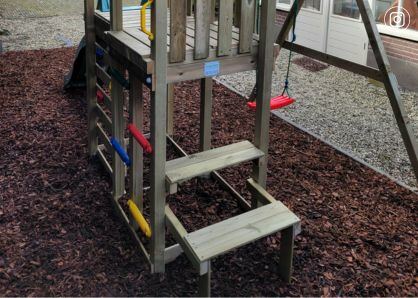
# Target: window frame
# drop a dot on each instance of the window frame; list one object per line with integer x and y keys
{"x": 409, "y": 34}
{"x": 283, "y": 6}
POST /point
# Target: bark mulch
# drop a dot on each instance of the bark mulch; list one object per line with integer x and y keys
{"x": 310, "y": 64}
{"x": 60, "y": 236}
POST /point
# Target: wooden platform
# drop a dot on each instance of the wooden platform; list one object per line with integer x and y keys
{"x": 134, "y": 46}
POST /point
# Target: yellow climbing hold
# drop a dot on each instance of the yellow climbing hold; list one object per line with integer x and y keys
{"x": 139, "y": 218}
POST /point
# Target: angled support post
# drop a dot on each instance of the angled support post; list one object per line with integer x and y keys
{"x": 391, "y": 84}
{"x": 283, "y": 33}
{"x": 158, "y": 134}
{"x": 91, "y": 76}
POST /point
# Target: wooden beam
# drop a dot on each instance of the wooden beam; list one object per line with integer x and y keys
{"x": 158, "y": 134}
{"x": 286, "y": 253}
{"x": 116, "y": 15}
{"x": 91, "y": 78}
{"x": 172, "y": 253}
{"x": 226, "y": 11}
{"x": 283, "y": 32}
{"x": 118, "y": 127}
{"x": 263, "y": 83}
{"x": 259, "y": 194}
{"x": 202, "y": 28}
{"x": 103, "y": 117}
{"x": 104, "y": 161}
{"x": 206, "y": 86}
{"x": 204, "y": 281}
{"x": 335, "y": 61}
{"x": 391, "y": 84}
{"x": 179, "y": 232}
{"x": 178, "y": 15}
{"x": 246, "y": 25}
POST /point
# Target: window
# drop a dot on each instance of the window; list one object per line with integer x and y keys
{"x": 398, "y": 14}
{"x": 312, "y": 4}
{"x": 346, "y": 8}
{"x": 308, "y": 4}
{"x": 283, "y": 4}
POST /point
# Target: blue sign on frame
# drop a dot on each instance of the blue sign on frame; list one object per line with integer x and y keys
{"x": 212, "y": 69}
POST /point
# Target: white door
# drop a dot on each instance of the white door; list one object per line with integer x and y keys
{"x": 311, "y": 24}
{"x": 333, "y": 27}
{"x": 347, "y": 37}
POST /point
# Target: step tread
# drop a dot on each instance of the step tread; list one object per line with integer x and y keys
{"x": 240, "y": 230}
{"x": 185, "y": 168}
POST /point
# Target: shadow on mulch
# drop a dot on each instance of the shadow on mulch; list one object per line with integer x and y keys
{"x": 60, "y": 237}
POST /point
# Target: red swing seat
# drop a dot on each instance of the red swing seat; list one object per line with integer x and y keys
{"x": 277, "y": 102}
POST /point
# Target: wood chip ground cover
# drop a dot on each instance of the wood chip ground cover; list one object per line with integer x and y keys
{"x": 59, "y": 235}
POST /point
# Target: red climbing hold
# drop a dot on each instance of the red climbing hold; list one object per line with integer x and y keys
{"x": 277, "y": 102}
{"x": 100, "y": 96}
{"x": 142, "y": 140}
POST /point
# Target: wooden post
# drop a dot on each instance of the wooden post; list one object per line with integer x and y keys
{"x": 391, "y": 84}
{"x": 286, "y": 253}
{"x": 116, "y": 15}
{"x": 178, "y": 19}
{"x": 202, "y": 28}
{"x": 118, "y": 125}
{"x": 91, "y": 76}
{"x": 204, "y": 283}
{"x": 116, "y": 24}
{"x": 246, "y": 25}
{"x": 136, "y": 116}
{"x": 264, "y": 80}
{"x": 158, "y": 133}
{"x": 206, "y": 86}
{"x": 190, "y": 4}
{"x": 226, "y": 12}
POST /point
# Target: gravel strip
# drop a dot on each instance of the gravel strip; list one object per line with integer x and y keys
{"x": 344, "y": 109}
{"x": 40, "y": 24}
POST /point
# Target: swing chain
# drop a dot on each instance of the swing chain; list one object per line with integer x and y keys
{"x": 286, "y": 82}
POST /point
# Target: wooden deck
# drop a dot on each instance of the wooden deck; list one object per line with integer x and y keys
{"x": 135, "y": 46}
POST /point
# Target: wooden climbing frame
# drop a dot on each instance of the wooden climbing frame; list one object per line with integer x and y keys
{"x": 193, "y": 40}
{"x": 184, "y": 47}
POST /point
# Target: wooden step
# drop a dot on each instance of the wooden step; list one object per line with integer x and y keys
{"x": 194, "y": 165}
{"x": 237, "y": 231}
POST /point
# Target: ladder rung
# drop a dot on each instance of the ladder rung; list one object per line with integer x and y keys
{"x": 103, "y": 117}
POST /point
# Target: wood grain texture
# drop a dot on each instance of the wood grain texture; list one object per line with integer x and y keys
{"x": 202, "y": 25}
{"x": 246, "y": 25}
{"x": 226, "y": 12}
{"x": 178, "y": 15}
{"x": 234, "y": 232}
{"x": 184, "y": 168}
